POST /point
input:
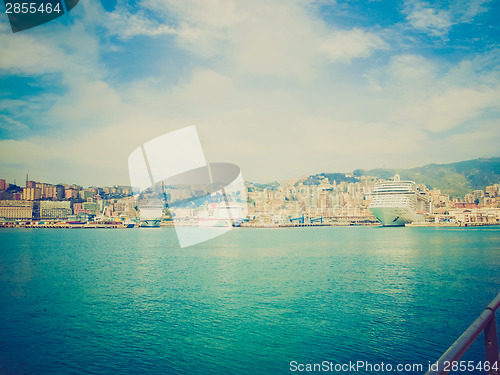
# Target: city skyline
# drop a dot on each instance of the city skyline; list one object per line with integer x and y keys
{"x": 364, "y": 173}
{"x": 325, "y": 202}
{"x": 281, "y": 89}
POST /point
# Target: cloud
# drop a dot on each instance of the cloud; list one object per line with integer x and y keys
{"x": 23, "y": 53}
{"x": 446, "y": 111}
{"x": 414, "y": 90}
{"x": 485, "y": 134}
{"x": 125, "y": 24}
{"x": 434, "y": 21}
{"x": 271, "y": 86}
{"x": 465, "y": 11}
{"x": 88, "y": 103}
{"x": 281, "y": 39}
{"x": 457, "y": 106}
{"x": 54, "y": 49}
{"x": 9, "y": 124}
{"x": 437, "y": 20}
{"x": 346, "y": 45}
{"x": 11, "y": 104}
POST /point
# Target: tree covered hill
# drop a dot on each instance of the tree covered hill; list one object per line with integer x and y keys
{"x": 456, "y": 179}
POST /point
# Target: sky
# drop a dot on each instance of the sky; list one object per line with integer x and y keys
{"x": 282, "y": 88}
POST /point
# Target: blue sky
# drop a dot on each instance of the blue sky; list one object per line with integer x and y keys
{"x": 282, "y": 88}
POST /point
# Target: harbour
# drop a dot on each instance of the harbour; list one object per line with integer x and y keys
{"x": 120, "y": 225}
{"x": 248, "y": 302}
{"x": 290, "y": 203}
{"x": 250, "y": 188}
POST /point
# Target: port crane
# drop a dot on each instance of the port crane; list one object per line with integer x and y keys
{"x": 300, "y": 219}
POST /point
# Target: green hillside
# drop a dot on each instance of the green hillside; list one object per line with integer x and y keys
{"x": 455, "y": 179}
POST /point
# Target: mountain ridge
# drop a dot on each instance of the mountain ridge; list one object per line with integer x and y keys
{"x": 455, "y": 179}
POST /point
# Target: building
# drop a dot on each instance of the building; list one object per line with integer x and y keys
{"x": 78, "y": 209}
{"x": 47, "y": 190}
{"x": 464, "y": 205}
{"x": 492, "y": 191}
{"x": 92, "y": 208}
{"x": 32, "y": 193}
{"x": 125, "y": 206}
{"x": 479, "y": 215}
{"x": 55, "y": 210}
{"x": 71, "y": 193}
{"x": 85, "y": 194}
{"x": 12, "y": 209}
{"x": 58, "y": 192}
{"x": 3, "y": 184}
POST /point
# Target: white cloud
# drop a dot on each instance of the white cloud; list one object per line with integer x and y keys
{"x": 88, "y": 103}
{"x": 427, "y": 96}
{"x": 58, "y": 49}
{"x": 26, "y": 54}
{"x": 434, "y": 21}
{"x": 484, "y": 133}
{"x": 437, "y": 20}
{"x": 404, "y": 82}
{"x": 467, "y": 10}
{"x": 448, "y": 110}
{"x": 123, "y": 23}
{"x": 272, "y": 92}
{"x": 283, "y": 39}
{"x": 457, "y": 106}
{"x": 11, "y": 104}
{"x": 346, "y": 45}
{"x": 9, "y": 124}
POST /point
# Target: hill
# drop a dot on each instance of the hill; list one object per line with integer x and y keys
{"x": 455, "y": 179}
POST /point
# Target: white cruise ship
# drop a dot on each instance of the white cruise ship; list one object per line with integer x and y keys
{"x": 396, "y": 203}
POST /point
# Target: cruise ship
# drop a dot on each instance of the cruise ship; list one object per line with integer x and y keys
{"x": 396, "y": 203}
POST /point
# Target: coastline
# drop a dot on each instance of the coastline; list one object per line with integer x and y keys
{"x": 119, "y": 225}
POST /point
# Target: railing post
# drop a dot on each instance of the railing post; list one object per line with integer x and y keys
{"x": 484, "y": 323}
{"x": 491, "y": 342}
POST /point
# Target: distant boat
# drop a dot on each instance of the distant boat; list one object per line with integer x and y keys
{"x": 396, "y": 203}
{"x": 129, "y": 224}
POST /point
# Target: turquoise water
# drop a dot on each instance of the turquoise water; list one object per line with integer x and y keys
{"x": 249, "y": 302}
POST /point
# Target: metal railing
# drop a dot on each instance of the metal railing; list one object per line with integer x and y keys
{"x": 486, "y": 321}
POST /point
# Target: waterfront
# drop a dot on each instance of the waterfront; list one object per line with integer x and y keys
{"x": 310, "y": 200}
{"x": 249, "y": 302}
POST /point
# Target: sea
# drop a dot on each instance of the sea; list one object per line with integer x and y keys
{"x": 253, "y": 301}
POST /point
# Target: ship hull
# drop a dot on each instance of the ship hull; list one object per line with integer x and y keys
{"x": 395, "y": 216}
